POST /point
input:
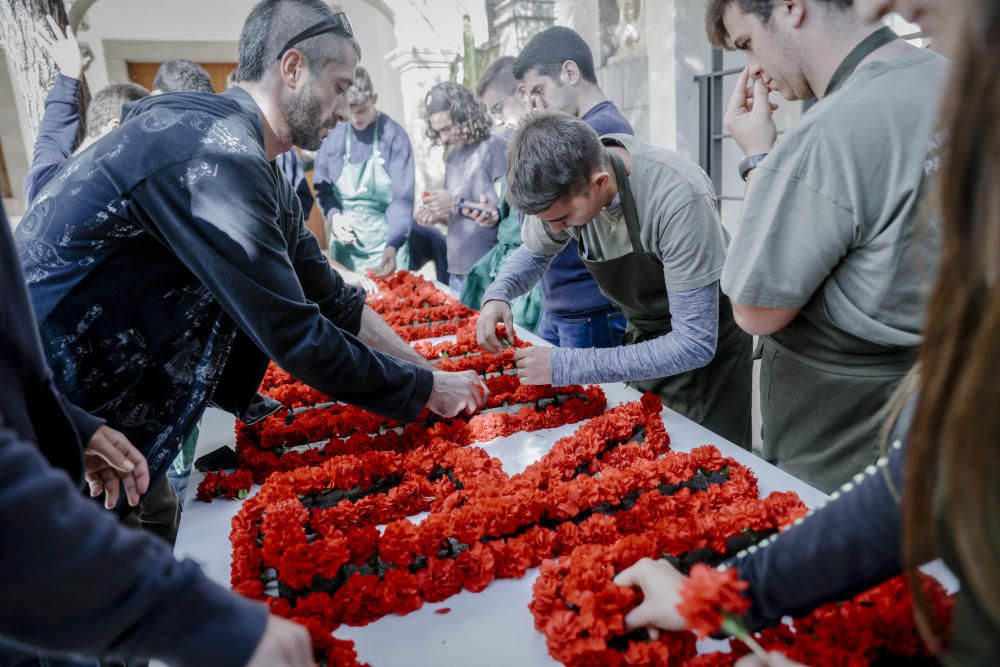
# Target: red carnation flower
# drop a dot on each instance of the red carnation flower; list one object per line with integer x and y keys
{"x": 708, "y": 596}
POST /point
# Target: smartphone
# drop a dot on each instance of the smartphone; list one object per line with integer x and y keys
{"x": 474, "y": 206}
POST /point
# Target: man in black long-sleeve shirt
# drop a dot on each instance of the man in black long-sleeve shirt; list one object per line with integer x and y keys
{"x": 169, "y": 261}
{"x": 78, "y": 581}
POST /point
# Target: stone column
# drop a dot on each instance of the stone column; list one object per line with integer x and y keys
{"x": 677, "y": 49}
{"x": 517, "y": 21}
{"x": 419, "y": 70}
{"x": 429, "y": 42}
{"x": 584, "y": 16}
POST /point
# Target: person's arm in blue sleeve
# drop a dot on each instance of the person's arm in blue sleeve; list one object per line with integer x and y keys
{"x": 399, "y": 166}
{"x": 57, "y": 134}
{"x": 851, "y": 544}
{"x": 82, "y": 583}
{"x": 225, "y": 229}
{"x": 329, "y": 164}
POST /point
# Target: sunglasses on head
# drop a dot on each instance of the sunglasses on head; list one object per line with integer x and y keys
{"x": 337, "y": 23}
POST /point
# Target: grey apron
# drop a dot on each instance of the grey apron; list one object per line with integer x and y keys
{"x": 822, "y": 389}
{"x": 717, "y": 396}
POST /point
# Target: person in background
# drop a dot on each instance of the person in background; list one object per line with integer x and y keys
{"x": 182, "y": 76}
{"x": 59, "y": 128}
{"x": 364, "y": 180}
{"x": 504, "y": 96}
{"x": 934, "y": 493}
{"x": 830, "y": 265}
{"x": 556, "y": 68}
{"x": 474, "y": 167}
{"x": 499, "y": 91}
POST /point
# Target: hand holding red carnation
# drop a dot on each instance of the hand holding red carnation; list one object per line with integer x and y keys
{"x": 708, "y": 597}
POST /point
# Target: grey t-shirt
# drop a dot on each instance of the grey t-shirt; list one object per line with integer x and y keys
{"x": 678, "y": 221}
{"x": 470, "y": 172}
{"x": 833, "y": 221}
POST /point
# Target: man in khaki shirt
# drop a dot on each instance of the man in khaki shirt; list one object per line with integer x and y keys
{"x": 643, "y": 221}
{"x": 831, "y": 259}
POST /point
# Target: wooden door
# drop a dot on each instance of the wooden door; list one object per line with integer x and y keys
{"x": 144, "y": 73}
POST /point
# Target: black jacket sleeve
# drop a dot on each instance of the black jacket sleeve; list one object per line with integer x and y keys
{"x": 339, "y": 302}
{"x": 222, "y": 220}
{"x": 80, "y": 582}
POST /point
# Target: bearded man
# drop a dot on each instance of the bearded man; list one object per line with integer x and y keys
{"x": 168, "y": 262}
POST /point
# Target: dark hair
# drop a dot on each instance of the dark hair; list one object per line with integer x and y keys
{"x": 469, "y": 116}
{"x": 548, "y": 50}
{"x": 716, "y": 29}
{"x": 953, "y": 457}
{"x": 106, "y": 105}
{"x": 269, "y": 26}
{"x": 179, "y": 76}
{"x": 551, "y": 155}
{"x": 498, "y": 75}
{"x": 362, "y": 89}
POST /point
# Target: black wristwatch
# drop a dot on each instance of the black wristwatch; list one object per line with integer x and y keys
{"x": 750, "y": 163}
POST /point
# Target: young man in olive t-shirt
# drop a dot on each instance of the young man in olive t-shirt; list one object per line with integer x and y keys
{"x": 830, "y": 263}
{"x": 643, "y": 221}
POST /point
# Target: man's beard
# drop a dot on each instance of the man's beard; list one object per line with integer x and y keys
{"x": 304, "y": 115}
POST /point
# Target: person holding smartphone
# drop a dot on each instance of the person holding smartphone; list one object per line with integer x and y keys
{"x": 468, "y": 202}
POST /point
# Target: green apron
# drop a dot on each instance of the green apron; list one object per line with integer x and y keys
{"x": 822, "y": 389}
{"x": 365, "y": 191}
{"x": 527, "y": 308}
{"x": 717, "y": 396}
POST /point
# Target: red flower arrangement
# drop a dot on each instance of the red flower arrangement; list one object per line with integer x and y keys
{"x": 615, "y": 477}
{"x": 874, "y": 626}
{"x": 612, "y": 493}
{"x": 588, "y": 571}
{"x": 405, "y": 289}
{"x": 709, "y": 596}
{"x": 416, "y": 309}
{"x": 264, "y": 447}
{"x": 234, "y": 485}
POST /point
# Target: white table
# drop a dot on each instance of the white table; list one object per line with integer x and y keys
{"x": 493, "y": 627}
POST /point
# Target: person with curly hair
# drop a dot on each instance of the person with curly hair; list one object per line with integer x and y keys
{"x": 473, "y": 170}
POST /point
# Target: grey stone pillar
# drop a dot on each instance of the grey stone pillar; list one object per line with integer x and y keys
{"x": 584, "y": 16}
{"x": 677, "y": 49}
{"x": 419, "y": 70}
{"x": 517, "y": 21}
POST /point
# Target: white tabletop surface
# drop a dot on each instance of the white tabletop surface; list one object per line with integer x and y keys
{"x": 493, "y": 627}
